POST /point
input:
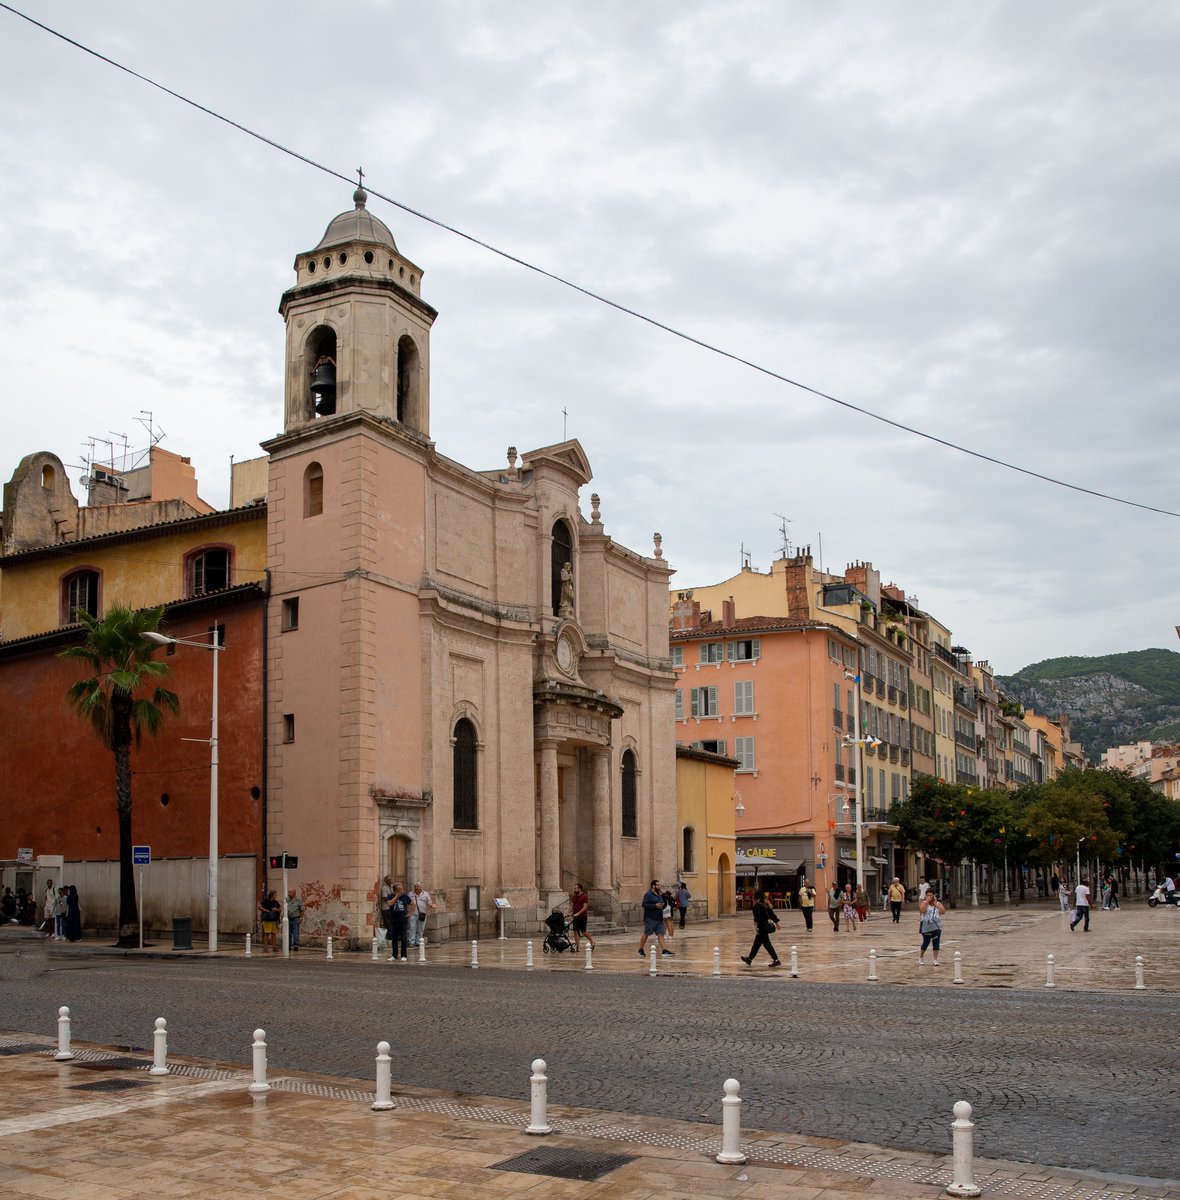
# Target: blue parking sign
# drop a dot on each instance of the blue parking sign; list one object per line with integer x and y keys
{"x": 141, "y": 856}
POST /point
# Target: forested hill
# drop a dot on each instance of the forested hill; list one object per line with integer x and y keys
{"x": 1113, "y": 699}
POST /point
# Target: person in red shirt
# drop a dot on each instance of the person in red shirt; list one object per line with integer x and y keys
{"x": 580, "y": 915}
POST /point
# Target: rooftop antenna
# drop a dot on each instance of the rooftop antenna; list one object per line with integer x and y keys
{"x": 784, "y": 535}
{"x": 820, "y": 538}
{"x": 155, "y": 434}
{"x": 565, "y": 417}
{"x": 122, "y": 437}
{"x": 745, "y": 556}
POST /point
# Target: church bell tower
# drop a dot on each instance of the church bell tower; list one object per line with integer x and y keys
{"x": 358, "y": 330}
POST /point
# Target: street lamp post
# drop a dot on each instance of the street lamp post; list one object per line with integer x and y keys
{"x": 857, "y": 743}
{"x": 214, "y": 645}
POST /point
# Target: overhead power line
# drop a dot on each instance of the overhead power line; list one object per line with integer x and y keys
{"x": 587, "y": 292}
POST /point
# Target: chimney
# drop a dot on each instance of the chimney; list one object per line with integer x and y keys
{"x": 728, "y": 613}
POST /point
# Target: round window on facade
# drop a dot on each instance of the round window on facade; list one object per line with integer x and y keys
{"x": 343, "y": 258}
{"x": 369, "y": 257}
{"x": 311, "y": 266}
{"x": 327, "y": 261}
{"x": 165, "y": 800}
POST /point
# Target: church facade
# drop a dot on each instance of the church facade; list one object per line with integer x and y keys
{"x": 468, "y": 680}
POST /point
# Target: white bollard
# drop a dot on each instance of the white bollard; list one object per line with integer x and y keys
{"x": 731, "y": 1124}
{"x": 1049, "y": 964}
{"x": 383, "y": 1101}
{"x": 475, "y": 956}
{"x": 160, "y": 1048}
{"x": 589, "y": 959}
{"x": 652, "y": 969}
{"x": 329, "y": 949}
{"x": 716, "y": 960}
{"x": 374, "y": 949}
{"x": 64, "y": 1053}
{"x": 528, "y": 956}
{"x": 422, "y": 949}
{"x": 1140, "y": 986}
{"x": 539, "y": 1122}
{"x": 872, "y": 966}
{"x": 962, "y": 1135}
{"x": 958, "y": 968}
{"x": 258, "y": 1084}
{"x": 248, "y": 954}
{"x": 794, "y": 962}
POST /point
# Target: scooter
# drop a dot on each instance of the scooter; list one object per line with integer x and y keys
{"x": 1159, "y": 896}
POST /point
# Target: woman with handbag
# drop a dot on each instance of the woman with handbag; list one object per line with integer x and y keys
{"x": 766, "y": 920}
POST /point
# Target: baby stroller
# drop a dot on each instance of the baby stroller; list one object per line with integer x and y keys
{"x": 557, "y": 939}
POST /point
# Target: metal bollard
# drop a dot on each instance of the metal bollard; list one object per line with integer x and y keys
{"x": 539, "y": 1122}
{"x": 1049, "y": 964}
{"x": 374, "y": 949}
{"x": 528, "y": 956}
{"x": 794, "y": 962}
{"x": 329, "y": 949}
{"x": 962, "y": 1136}
{"x": 589, "y": 959}
{"x": 383, "y": 1101}
{"x": 958, "y": 968}
{"x": 716, "y": 960}
{"x": 248, "y": 954}
{"x": 64, "y": 1053}
{"x": 652, "y": 969}
{"x": 160, "y": 1048}
{"x": 731, "y": 1124}
{"x": 1140, "y": 986}
{"x": 258, "y": 1084}
{"x": 422, "y": 949}
{"x": 475, "y": 956}
{"x": 872, "y": 966}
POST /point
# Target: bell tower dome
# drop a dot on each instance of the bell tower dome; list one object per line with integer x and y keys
{"x": 358, "y": 330}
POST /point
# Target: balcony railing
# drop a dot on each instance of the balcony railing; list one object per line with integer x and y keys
{"x": 894, "y": 754}
{"x": 905, "y": 757}
{"x": 965, "y": 739}
{"x": 837, "y": 718}
{"x": 892, "y": 694}
{"x": 903, "y": 700}
{"x": 880, "y": 687}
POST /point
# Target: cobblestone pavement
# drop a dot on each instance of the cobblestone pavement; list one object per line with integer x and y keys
{"x": 1085, "y": 1076}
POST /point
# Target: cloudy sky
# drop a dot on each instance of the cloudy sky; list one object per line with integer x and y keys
{"x": 963, "y": 217}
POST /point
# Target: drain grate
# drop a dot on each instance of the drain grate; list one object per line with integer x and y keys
{"x": 564, "y": 1163}
{"x": 109, "y": 1085}
{"x": 20, "y": 1048}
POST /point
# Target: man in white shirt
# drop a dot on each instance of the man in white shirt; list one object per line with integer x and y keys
{"x": 1082, "y": 903}
{"x": 420, "y": 901}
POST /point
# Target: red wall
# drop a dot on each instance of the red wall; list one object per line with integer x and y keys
{"x": 57, "y": 781}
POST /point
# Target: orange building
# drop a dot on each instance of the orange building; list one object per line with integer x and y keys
{"x": 771, "y": 693}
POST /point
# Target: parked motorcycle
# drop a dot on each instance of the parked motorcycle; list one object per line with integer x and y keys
{"x": 1159, "y": 896}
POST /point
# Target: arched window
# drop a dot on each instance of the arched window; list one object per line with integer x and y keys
{"x": 464, "y": 782}
{"x": 313, "y": 490}
{"x": 407, "y": 382}
{"x": 79, "y": 594}
{"x": 321, "y": 379}
{"x": 48, "y": 477}
{"x": 630, "y": 807}
{"x": 688, "y": 855}
{"x": 563, "y": 552}
{"x": 208, "y": 570}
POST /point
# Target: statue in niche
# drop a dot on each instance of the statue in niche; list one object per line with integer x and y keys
{"x": 566, "y": 606}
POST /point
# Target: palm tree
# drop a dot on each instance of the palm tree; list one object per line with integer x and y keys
{"x": 121, "y": 665}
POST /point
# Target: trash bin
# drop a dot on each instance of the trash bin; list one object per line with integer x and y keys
{"x": 182, "y": 933}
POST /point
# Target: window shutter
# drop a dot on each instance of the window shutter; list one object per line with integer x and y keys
{"x": 756, "y": 648}
{"x": 695, "y": 702}
{"x": 712, "y": 706}
{"x": 680, "y": 704}
{"x": 731, "y": 650}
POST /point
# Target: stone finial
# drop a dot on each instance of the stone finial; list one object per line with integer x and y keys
{"x": 659, "y": 541}
{"x": 512, "y": 457}
{"x": 595, "y": 515}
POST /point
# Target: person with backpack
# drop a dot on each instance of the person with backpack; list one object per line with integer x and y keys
{"x": 930, "y": 925}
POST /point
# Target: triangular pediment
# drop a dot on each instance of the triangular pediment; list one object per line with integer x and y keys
{"x": 568, "y": 457}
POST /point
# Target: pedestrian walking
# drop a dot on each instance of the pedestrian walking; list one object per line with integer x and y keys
{"x": 683, "y": 896}
{"x": 766, "y": 922}
{"x": 47, "y": 922}
{"x": 896, "y": 897}
{"x": 1082, "y": 904}
{"x": 848, "y": 910}
{"x": 580, "y": 916}
{"x": 1063, "y": 895}
{"x": 835, "y": 903}
{"x": 653, "y": 918}
{"x": 294, "y": 918}
{"x": 422, "y": 903}
{"x": 807, "y": 902}
{"x": 270, "y": 912}
{"x": 1113, "y": 898}
{"x": 73, "y": 914}
{"x": 930, "y": 925}
{"x": 402, "y": 909}
{"x": 669, "y": 909}
{"x": 385, "y": 906}
{"x": 861, "y": 898}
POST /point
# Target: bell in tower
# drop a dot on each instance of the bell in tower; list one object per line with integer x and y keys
{"x": 358, "y": 330}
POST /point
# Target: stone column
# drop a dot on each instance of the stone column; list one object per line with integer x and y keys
{"x": 600, "y": 775}
{"x": 550, "y": 821}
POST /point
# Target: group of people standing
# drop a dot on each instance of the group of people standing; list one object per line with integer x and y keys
{"x": 270, "y": 912}
{"x": 60, "y": 912}
{"x": 847, "y": 905}
{"x": 404, "y": 916}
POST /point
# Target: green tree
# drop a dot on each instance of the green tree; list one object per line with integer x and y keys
{"x": 112, "y": 699}
{"x": 1065, "y": 813}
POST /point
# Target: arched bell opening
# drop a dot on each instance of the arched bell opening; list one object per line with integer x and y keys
{"x": 408, "y": 371}
{"x": 321, "y": 354}
{"x": 561, "y": 554}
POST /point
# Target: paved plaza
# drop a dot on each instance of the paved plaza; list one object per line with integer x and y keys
{"x": 847, "y": 1085}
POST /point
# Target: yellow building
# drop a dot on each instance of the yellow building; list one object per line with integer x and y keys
{"x": 706, "y": 837}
